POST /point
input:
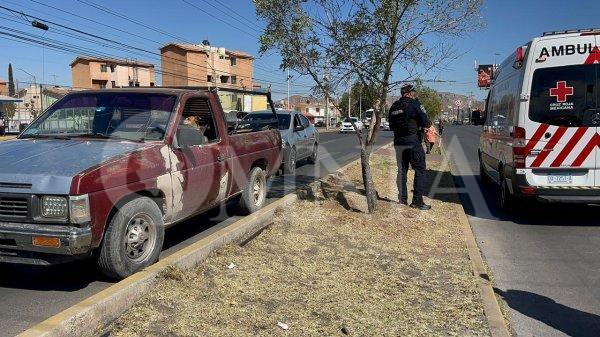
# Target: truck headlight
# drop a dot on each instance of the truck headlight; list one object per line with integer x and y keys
{"x": 80, "y": 209}
{"x": 54, "y": 207}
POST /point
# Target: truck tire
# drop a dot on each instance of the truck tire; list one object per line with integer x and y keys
{"x": 314, "y": 156}
{"x": 133, "y": 240}
{"x": 289, "y": 164}
{"x": 255, "y": 193}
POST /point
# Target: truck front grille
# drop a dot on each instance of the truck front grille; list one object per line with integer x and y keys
{"x": 14, "y": 207}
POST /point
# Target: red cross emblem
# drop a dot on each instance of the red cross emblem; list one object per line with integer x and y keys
{"x": 561, "y": 91}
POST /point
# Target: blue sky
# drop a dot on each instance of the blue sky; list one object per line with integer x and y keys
{"x": 508, "y": 24}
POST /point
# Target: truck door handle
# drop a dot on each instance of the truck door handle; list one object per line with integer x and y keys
{"x": 220, "y": 158}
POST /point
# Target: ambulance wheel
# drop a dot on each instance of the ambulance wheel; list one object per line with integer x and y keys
{"x": 507, "y": 199}
{"x": 483, "y": 176}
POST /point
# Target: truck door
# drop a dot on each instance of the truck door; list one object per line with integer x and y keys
{"x": 564, "y": 115}
{"x": 201, "y": 155}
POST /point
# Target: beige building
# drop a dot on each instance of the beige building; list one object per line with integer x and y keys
{"x": 312, "y": 107}
{"x": 96, "y": 73}
{"x": 200, "y": 65}
{"x": 3, "y": 87}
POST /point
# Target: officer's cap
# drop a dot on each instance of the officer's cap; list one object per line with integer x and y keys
{"x": 405, "y": 89}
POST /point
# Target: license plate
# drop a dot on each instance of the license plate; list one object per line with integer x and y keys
{"x": 560, "y": 179}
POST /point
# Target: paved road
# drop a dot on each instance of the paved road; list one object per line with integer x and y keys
{"x": 29, "y": 295}
{"x": 546, "y": 263}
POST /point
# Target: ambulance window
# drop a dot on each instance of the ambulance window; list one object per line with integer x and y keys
{"x": 564, "y": 96}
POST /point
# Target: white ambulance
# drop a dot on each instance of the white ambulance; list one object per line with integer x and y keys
{"x": 541, "y": 138}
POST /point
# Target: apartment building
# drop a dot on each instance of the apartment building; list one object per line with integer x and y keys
{"x": 97, "y": 73}
{"x": 203, "y": 65}
{"x": 3, "y": 87}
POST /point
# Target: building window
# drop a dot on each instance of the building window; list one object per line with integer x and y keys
{"x": 151, "y": 84}
{"x": 307, "y": 110}
{"x": 113, "y": 84}
{"x": 209, "y": 78}
{"x": 103, "y": 68}
{"x": 233, "y": 79}
{"x": 224, "y": 79}
{"x": 112, "y": 68}
{"x": 233, "y": 61}
{"x": 318, "y": 110}
{"x": 131, "y": 83}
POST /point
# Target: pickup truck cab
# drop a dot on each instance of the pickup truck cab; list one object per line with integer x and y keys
{"x": 102, "y": 173}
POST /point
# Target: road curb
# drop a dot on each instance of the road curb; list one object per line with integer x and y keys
{"x": 92, "y": 315}
{"x": 491, "y": 307}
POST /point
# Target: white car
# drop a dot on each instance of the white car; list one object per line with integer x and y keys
{"x": 346, "y": 125}
{"x": 541, "y": 140}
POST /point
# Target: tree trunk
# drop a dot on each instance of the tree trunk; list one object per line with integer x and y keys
{"x": 370, "y": 191}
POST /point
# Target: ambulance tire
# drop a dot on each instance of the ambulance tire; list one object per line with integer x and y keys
{"x": 507, "y": 199}
{"x": 483, "y": 175}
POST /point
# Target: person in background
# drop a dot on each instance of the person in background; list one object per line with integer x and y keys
{"x": 440, "y": 127}
{"x": 407, "y": 115}
{"x": 430, "y": 138}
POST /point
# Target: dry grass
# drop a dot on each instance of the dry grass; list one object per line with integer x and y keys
{"x": 326, "y": 271}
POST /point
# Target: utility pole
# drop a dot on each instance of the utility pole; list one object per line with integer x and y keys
{"x": 288, "y": 89}
{"x": 327, "y": 119}
{"x": 349, "y": 100}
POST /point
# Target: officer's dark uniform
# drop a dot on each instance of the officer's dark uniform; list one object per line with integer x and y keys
{"x": 407, "y": 115}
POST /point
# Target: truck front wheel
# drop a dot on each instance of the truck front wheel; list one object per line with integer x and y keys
{"x": 133, "y": 239}
{"x": 255, "y": 193}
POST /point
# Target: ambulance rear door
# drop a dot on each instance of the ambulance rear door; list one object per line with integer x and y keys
{"x": 563, "y": 113}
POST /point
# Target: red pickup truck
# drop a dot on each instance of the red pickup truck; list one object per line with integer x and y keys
{"x": 102, "y": 173}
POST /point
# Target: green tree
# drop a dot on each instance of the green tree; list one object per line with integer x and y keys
{"x": 337, "y": 42}
{"x": 431, "y": 101}
{"x": 11, "y": 81}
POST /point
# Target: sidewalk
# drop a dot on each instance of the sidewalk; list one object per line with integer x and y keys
{"x": 9, "y": 137}
{"x": 322, "y": 269}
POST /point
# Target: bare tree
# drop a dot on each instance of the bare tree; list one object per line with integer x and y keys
{"x": 366, "y": 41}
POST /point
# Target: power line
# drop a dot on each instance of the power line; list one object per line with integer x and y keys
{"x": 257, "y": 66}
{"x": 237, "y": 14}
{"x": 226, "y": 14}
{"x": 96, "y": 22}
{"x": 216, "y": 18}
{"x": 51, "y": 44}
{"x": 123, "y": 45}
{"x": 124, "y": 17}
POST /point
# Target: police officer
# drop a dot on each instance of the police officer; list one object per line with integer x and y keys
{"x": 407, "y": 116}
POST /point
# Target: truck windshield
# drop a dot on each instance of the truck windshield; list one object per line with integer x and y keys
{"x": 118, "y": 115}
{"x": 565, "y": 96}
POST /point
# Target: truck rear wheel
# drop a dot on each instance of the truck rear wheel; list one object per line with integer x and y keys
{"x": 255, "y": 193}
{"x": 133, "y": 240}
